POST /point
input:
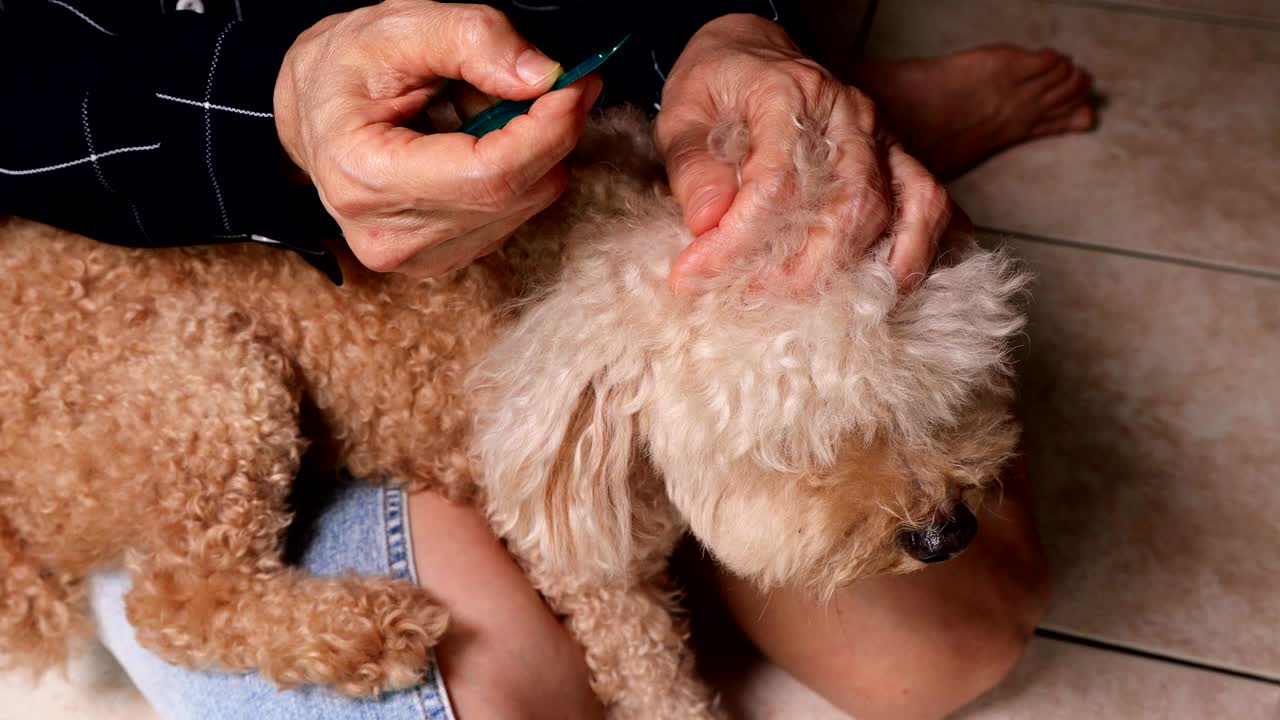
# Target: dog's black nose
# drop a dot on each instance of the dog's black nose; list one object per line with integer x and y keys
{"x": 942, "y": 540}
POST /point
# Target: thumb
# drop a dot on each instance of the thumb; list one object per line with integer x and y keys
{"x": 703, "y": 184}
{"x": 475, "y": 43}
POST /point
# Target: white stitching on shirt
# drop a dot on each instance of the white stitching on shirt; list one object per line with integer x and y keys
{"x": 81, "y": 161}
{"x": 88, "y": 138}
{"x": 84, "y": 17}
{"x": 214, "y": 106}
{"x": 97, "y": 167}
{"x": 208, "y": 127}
{"x": 137, "y": 218}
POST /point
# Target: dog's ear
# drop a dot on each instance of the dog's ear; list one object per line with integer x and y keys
{"x": 556, "y": 445}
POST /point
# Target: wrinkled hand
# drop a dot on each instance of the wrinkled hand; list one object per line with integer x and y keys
{"x": 424, "y": 204}
{"x": 744, "y": 68}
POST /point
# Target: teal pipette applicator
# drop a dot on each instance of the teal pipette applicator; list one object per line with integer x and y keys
{"x": 504, "y": 111}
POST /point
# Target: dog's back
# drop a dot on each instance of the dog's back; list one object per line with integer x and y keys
{"x": 136, "y": 381}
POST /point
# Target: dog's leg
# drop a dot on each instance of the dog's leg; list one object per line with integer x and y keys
{"x": 40, "y": 611}
{"x": 363, "y": 636}
{"x": 216, "y": 592}
{"x": 636, "y": 646}
{"x": 210, "y": 585}
{"x": 630, "y": 624}
{"x": 592, "y": 524}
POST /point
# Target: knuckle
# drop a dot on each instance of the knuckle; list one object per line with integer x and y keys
{"x": 934, "y": 198}
{"x": 385, "y": 250}
{"x": 387, "y": 21}
{"x": 345, "y": 182}
{"x": 348, "y": 200}
{"x": 379, "y": 262}
{"x": 866, "y": 106}
{"x": 479, "y": 24}
{"x": 374, "y": 256}
{"x": 862, "y": 110}
{"x": 810, "y": 77}
{"x": 494, "y": 190}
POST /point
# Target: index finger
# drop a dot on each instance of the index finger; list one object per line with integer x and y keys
{"x": 475, "y": 43}
{"x": 463, "y": 173}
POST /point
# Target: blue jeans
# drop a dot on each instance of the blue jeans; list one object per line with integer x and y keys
{"x": 365, "y": 530}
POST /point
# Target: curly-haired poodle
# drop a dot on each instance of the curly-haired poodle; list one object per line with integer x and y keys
{"x": 153, "y": 406}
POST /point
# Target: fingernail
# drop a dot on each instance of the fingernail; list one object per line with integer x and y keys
{"x": 535, "y": 68}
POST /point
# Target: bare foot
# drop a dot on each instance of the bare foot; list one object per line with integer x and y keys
{"x": 954, "y": 111}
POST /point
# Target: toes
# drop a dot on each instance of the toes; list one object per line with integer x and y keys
{"x": 1033, "y": 65}
{"x": 1084, "y": 118}
{"x": 1079, "y": 119}
{"x": 1069, "y": 92}
{"x": 1057, "y": 73}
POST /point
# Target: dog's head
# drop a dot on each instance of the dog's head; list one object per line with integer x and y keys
{"x": 878, "y": 505}
{"x": 812, "y": 442}
{"x": 803, "y": 441}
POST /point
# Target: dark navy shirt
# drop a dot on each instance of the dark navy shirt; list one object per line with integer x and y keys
{"x": 149, "y": 122}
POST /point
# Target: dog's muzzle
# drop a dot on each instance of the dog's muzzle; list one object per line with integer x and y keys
{"x": 944, "y": 539}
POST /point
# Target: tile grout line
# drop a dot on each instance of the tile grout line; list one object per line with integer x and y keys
{"x": 1199, "y": 264}
{"x": 1096, "y": 644}
{"x": 1237, "y": 21}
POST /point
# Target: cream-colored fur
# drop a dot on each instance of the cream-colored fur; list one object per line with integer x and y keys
{"x": 153, "y": 406}
{"x": 793, "y": 435}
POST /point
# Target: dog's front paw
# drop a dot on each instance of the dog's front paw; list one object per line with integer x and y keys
{"x": 403, "y": 653}
{"x": 362, "y": 636}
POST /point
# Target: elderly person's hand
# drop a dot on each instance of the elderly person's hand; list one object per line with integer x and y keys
{"x": 424, "y": 204}
{"x": 744, "y": 68}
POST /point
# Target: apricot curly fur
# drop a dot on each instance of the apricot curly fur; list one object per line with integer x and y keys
{"x": 150, "y": 416}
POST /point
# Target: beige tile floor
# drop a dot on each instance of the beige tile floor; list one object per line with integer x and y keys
{"x": 1151, "y": 386}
